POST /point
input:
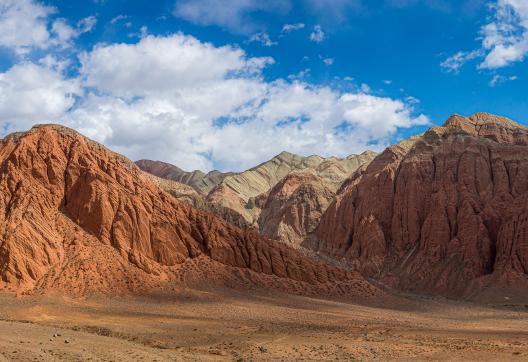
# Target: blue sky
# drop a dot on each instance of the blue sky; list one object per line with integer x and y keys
{"x": 227, "y": 84}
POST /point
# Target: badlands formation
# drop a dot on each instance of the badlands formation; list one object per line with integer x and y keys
{"x": 450, "y": 214}
{"x": 262, "y": 197}
{"x": 299, "y": 258}
{"x": 77, "y": 217}
{"x": 440, "y": 213}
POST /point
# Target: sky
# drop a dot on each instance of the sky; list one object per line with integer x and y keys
{"x": 218, "y": 84}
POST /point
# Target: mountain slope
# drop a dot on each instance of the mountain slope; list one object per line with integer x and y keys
{"x": 200, "y": 181}
{"x": 239, "y": 191}
{"x": 248, "y": 199}
{"x": 77, "y": 217}
{"x": 294, "y": 206}
{"x": 446, "y": 212}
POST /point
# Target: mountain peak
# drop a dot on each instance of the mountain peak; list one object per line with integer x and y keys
{"x": 484, "y": 125}
{"x": 478, "y": 119}
{"x": 76, "y": 218}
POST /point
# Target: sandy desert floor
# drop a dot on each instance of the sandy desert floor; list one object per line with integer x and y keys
{"x": 235, "y": 326}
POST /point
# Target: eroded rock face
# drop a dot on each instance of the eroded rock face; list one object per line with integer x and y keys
{"x": 74, "y": 214}
{"x": 294, "y": 206}
{"x": 444, "y": 212}
{"x": 265, "y": 197}
{"x": 202, "y": 182}
{"x": 240, "y": 192}
{"x": 192, "y": 197}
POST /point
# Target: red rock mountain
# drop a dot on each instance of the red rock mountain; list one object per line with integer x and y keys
{"x": 283, "y": 198}
{"x": 445, "y": 212}
{"x": 293, "y": 207}
{"x": 77, "y": 217}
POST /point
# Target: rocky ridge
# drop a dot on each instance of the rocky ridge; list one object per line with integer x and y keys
{"x": 239, "y": 191}
{"x": 445, "y": 212}
{"x": 79, "y": 218}
{"x": 202, "y": 182}
{"x": 266, "y": 196}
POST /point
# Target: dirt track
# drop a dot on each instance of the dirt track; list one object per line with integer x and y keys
{"x": 234, "y": 326}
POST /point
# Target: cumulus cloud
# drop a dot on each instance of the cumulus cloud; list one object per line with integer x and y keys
{"x": 506, "y": 38}
{"x": 169, "y": 64}
{"x": 64, "y": 33}
{"x": 31, "y": 93}
{"x": 23, "y": 25}
{"x": 87, "y": 24}
{"x": 178, "y": 99}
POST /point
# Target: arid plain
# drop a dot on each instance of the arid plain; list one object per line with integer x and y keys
{"x": 235, "y": 325}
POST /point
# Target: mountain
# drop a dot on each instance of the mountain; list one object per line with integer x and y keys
{"x": 293, "y": 207}
{"x": 202, "y": 182}
{"x": 239, "y": 191}
{"x": 192, "y": 197}
{"x": 78, "y": 218}
{"x": 445, "y": 212}
{"x": 283, "y": 197}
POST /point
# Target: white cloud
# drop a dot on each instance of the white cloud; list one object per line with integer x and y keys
{"x": 169, "y": 64}
{"x": 328, "y": 61}
{"x": 262, "y": 38}
{"x": 31, "y": 93}
{"x": 499, "y": 79}
{"x": 455, "y": 62}
{"x": 234, "y": 15}
{"x": 184, "y": 101}
{"x": 57, "y": 65}
{"x": 506, "y": 38}
{"x": 181, "y": 100}
{"x": 238, "y": 15}
{"x": 288, "y": 28}
{"x": 23, "y": 25}
{"x": 317, "y": 35}
{"x": 118, "y": 18}
{"x": 300, "y": 75}
{"x": 306, "y": 120}
{"x": 87, "y": 24}
{"x": 148, "y": 128}
{"x": 365, "y": 88}
{"x": 64, "y": 34}
{"x": 63, "y": 31}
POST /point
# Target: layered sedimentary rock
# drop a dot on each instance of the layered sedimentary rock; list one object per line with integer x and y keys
{"x": 443, "y": 212}
{"x": 241, "y": 192}
{"x": 192, "y": 197}
{"x": 76, "y": 216}
{"x": 266, "y": 197}
{"x": 293, "y": 207}
{"x": 202, "y": 182}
